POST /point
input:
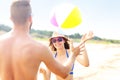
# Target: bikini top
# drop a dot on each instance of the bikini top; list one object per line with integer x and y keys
{"x": 71, "y": 72}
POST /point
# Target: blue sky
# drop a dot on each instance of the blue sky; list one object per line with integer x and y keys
{"x": 100, "y": 16}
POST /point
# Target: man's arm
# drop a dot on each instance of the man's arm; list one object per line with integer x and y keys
{"x": 55, "y": 66}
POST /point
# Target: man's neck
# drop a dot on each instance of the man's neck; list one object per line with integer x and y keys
{"x": 20, "y": 30}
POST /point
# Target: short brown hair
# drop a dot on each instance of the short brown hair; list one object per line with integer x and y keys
{"x": 20, "y": 11}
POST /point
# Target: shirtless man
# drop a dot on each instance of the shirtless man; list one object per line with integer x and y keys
{"x": 20, "y": 55}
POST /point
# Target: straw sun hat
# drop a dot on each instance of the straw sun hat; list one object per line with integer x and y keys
{"x": 56, "y": 34}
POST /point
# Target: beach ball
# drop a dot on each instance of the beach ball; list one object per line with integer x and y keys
{"x": 66, "y": 16}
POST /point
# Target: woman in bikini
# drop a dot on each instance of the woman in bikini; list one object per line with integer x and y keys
{"x": 60, "y": 45}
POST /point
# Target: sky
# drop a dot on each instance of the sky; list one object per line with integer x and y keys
{"x": 100, "y": 16}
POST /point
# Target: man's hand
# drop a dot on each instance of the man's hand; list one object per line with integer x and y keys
{"x": 75, "y": 50}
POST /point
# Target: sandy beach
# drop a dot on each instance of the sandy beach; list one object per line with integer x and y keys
{"x": 104, "y": 63}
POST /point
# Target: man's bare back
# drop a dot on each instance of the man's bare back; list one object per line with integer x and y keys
{"x": 20, "y": 55}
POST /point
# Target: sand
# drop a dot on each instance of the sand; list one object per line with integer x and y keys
{"x": 104, "y": 63}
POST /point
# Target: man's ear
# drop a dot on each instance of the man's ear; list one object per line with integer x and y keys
{"x": 30, "y": 19}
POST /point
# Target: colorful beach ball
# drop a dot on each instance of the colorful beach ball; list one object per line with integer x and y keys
{"x": 66, "y": 16}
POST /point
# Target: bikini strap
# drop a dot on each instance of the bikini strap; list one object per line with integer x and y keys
{"x": 67, "y": 54}
{"x": 55, "y": 55}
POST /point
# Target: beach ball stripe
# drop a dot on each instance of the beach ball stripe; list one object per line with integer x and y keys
{"x": 73, "y": 19}
{"x": 53, "y": 21}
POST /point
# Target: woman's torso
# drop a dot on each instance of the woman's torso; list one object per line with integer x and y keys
{"x": 62, "y": 59}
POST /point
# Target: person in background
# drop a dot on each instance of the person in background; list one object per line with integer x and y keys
{"x": 21, "y": 55}
{"x": 60, "y": 46}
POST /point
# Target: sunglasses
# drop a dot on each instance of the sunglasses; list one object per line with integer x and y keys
{"x": 58, "y": 39}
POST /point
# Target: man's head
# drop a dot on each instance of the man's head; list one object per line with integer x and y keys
{"x": 20, "y": 11}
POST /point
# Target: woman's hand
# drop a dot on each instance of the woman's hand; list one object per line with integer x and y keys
{"x": 87, "y": 36}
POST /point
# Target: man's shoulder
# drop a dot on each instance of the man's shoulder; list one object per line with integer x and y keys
{"x": 39, "y": 45}
{"x": 4, "y": 36}
{"x": 40, "y": 49}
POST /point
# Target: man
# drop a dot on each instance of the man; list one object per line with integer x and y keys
{"x": 20, "y": 55}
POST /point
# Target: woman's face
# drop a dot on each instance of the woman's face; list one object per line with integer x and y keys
{"x": 58, "y": 42}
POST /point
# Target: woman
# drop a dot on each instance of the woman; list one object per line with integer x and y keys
{"x": 61, "y": 45}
